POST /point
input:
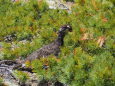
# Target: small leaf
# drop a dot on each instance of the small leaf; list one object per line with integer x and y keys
{"x": 104, "y": 19}
{"x": 101, "y": 41}
{"x": 85, "y": 36}
{"x": 82, "y": 30}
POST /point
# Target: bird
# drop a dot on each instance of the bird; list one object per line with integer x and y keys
{"x": 52, "y": 48}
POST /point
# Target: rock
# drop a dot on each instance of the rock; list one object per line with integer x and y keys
{"x": 23, "y": 41}
{"x": 56, "y": 4}
{"x": 7, "y": 76}
{"x": 9, "y": 38}
{"x": 1, "y": 52}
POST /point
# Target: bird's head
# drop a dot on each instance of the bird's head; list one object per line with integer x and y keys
{"x": 65, "y": 28}
{"x": 62, "y": 32}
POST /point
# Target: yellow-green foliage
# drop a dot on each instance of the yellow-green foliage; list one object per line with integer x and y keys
{"x": 88, "y": 55}
{"x": 1, "y": 82}
{"x": 22, "y": 76}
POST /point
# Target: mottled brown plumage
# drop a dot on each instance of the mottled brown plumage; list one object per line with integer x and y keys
{"x": 52, "y": 48}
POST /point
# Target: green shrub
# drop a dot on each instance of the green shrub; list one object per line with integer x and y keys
{"x": 87, "y": 57}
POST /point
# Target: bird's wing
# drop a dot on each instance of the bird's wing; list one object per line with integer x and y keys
{"x": 44, "y": 52}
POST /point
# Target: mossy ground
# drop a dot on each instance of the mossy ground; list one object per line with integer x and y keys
{"x": 88, "y": 55}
